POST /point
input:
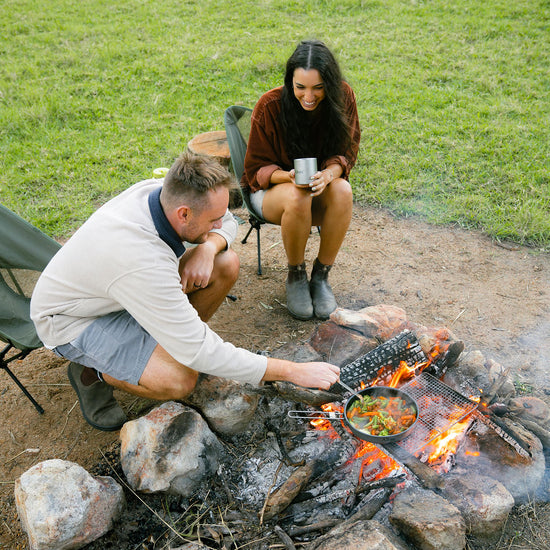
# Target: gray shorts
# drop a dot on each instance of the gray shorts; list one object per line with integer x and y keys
{"x": 114, "y": 344}
{"x": 256, "y": 200}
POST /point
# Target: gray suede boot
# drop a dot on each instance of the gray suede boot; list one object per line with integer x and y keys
{"x": 298, "y": 298}
{"x": 99, "y": 408}
{"x": 324, "y": 302}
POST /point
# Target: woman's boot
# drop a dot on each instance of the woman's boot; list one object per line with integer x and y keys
{"x": 298, "y": 298}
{"x": 324, "y": 302}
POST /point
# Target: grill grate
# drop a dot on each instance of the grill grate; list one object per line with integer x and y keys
{"x": 440, "y": 408}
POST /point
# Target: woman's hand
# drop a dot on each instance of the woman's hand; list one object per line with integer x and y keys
{"x": 320, "y": 181}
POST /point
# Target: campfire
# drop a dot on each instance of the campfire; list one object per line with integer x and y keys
{"x": 416, "y": 424}
{"x": 454, "y": 440}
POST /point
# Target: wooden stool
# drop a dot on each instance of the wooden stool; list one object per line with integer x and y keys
{"x": 214, "y": 145}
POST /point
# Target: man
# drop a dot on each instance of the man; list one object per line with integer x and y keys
{"x": 127, "y": 303}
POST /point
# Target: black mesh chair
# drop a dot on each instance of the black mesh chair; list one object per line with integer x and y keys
{"x": 237, "y": 128}
{"x": 24, "y": 253}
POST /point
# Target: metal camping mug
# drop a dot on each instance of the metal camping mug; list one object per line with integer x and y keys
{"x": 304, "y": 169}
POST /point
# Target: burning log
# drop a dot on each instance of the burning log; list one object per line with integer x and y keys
{"x": 403, "y": 347}
{"x": 281, "y": 498}
{"x": 427, "y": 477}
{"x": 503, "y": 433}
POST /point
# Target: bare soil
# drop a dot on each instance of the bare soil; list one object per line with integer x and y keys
{"x": 493, "y": 296}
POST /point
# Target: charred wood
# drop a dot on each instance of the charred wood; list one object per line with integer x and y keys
{"x": 314, "y": 527}
{"x": 427, "y": 477}
{"x": 281, "y": 498}
{"x": 496, "y": 425}
{"x": 488, "y": 396}
{"x": 282, "y": 448}
{"x": 403, "y": 347}
{"x": 387, "y": 482}
{"x": 285, "y": 539}
{"x": 539, "y": 431}
{"x": 368, "y": 506}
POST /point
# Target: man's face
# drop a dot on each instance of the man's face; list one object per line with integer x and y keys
{"x": 202, "y": 220}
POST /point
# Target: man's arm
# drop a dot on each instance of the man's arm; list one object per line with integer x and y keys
{"x": 310, "y": 375}
{"x": 197, "y": 263}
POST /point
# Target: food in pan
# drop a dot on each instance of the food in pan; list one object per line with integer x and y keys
{"x": 381, "y": 415}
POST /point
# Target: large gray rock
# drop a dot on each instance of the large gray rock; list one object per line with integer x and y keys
{"x": 484, "y": 503}
{"x": 429, "y": 521}
{"x": 62, "y": 506}
{"x": 171, "y": 450}
{"x": 228, "y": 406}
{"x": 360, "y": 535}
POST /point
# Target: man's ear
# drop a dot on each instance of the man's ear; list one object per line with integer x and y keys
{"x": 184, "y": 214}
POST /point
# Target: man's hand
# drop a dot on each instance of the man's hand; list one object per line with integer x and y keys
{"x": 196, "y": 266}
{"x": 310, "y": 375}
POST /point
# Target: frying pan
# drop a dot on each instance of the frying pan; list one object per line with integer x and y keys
{"x": 374, "y": 391}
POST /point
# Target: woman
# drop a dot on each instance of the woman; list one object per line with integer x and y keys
{"x": 313, "y": 115}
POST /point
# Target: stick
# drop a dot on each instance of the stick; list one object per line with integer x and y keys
{"x": 285, "y": 538}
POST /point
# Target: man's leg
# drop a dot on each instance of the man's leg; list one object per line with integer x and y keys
{"x": 226, "y": 270}
{"x": 163, "y": 378}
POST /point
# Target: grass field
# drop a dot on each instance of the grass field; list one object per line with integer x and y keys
{"x": 453, "y": 99}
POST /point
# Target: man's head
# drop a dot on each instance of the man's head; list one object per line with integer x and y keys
{"x": 195, "y": 196}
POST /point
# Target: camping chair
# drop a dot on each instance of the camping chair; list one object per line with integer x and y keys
{"x": 24, "y": 252}
{"x": 237, "y": 128}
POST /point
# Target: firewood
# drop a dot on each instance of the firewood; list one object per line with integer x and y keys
{"x": 368, "y": 508}
{"x": 286, "y": 540}
{"x": 281, "y": 498}
{"x": 285, "y": 494}
{"x": 427, "y": 477}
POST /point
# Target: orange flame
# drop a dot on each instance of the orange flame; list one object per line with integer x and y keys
{"x": 446, "y": 444}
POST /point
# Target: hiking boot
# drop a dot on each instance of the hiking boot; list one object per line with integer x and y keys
{"x": 298, "y": 298}
{"x": 324, "y": 302}
{"x": 99, "y": 408}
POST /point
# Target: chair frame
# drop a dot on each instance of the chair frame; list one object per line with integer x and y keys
{"x": 236, "y": 150}
{"x": 4, "y": 365}
{"x": 22, "y": 247}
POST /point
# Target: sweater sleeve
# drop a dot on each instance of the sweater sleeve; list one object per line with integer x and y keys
{"x": 173, "y": 322}
{"x": 265, "y": 151}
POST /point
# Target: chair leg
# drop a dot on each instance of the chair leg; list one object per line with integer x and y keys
{"x": 246, "y": 236}
{"x": 259, "y": 251}
{"x": 23, "y": 389}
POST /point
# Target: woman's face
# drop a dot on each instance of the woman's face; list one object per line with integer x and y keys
{"x": 309, "y": 88}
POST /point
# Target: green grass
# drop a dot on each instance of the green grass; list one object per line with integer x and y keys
{"x": 453, "y": 99}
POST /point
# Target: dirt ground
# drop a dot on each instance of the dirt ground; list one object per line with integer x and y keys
{"x": 495, "y": 297}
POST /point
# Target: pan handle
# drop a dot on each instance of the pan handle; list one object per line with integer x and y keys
{"x": 316, "y": 415}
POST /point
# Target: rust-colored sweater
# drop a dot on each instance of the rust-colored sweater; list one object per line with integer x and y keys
{"x": 266, "y": 151}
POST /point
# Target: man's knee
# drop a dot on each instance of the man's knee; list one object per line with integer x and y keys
{"x": 227, "y": 265}
{"x": 181, "y": 385}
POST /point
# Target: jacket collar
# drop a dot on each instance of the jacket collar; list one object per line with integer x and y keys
{"x": 165, "y": 230}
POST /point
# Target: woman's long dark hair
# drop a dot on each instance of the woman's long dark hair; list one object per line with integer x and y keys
{"x": 329, "y": 129}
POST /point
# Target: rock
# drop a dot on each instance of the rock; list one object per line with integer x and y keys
{"x": 171, "y": 450}
{"x": 61, "y": 505}
{"x": 429, "y": 521}
{"x": 483, "y": 502}
{"x": 498, "y": 459}
{"x": 531, "y": 409}
{"x": 228, "y": 406}
{"x": 307, "y": 396}
{"x": 380, "y": 322}
{"x": 301, "y": 352}
{"x": 360, "y": 535}
{"x": 338, "y": 345}
{"x": 496, "y": 370}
